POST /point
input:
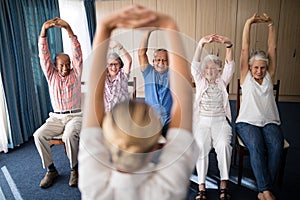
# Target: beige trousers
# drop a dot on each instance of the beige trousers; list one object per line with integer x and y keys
{"x": 56, "y": 124}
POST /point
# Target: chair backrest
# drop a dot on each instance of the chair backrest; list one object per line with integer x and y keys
{"x": 133, "y": 85}
{"x": 239, "y": 93}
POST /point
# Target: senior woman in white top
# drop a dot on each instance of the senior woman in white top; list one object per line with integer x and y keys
{"x": 258, "y": 123}
{"x": 211, "y": 108}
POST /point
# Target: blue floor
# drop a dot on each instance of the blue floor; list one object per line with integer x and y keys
{"x": 23, "y": 165}
{"x": 21, "y": 170}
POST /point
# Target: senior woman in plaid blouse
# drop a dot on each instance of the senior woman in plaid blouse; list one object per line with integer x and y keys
{"x": 118, "y": 71}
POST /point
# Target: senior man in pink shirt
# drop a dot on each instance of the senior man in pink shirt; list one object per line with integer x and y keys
{"x": 64, "y": 84}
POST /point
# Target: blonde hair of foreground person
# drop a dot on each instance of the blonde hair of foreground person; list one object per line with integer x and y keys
{"x": 131, "y": 130}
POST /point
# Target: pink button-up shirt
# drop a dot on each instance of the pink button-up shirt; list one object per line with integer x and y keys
{"x": 65, "y": 92}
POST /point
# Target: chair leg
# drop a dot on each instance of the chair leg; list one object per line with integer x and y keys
{"x": 234, "y": 155}
{"x": 241, "y": 165}
{"x": 281, "y": 168}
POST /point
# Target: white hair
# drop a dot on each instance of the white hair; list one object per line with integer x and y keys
{"x": 210, "y": 58}
{"x": 258, "y": 55}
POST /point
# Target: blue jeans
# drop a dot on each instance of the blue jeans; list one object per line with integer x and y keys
{"x": 265, "y": 145}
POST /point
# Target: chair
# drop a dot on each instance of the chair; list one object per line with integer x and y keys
{"x": 57, "y": 140}
{"x": 242, "y": 151}
{"x": 133, "y": 85}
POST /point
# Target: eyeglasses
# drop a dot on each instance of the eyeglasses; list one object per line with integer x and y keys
{"x": 162, "y": 60}
{"x": 113, "y": 64}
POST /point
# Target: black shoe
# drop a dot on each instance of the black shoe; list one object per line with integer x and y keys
{"x": 73, "y": 182}
{"x": 201, "y": 195}
{"x": 224, "y": 194}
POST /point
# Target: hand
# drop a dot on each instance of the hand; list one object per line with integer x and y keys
{"x": 55, "y": 22}
{"x": 61, "y": 23}
{"x": 207, "y": 39}
{"x": 137, "y": 16}
{"x": 259, "y": 19}
{"x": 50, "y": 23}
{"x": 268, "y": 19}
{"x": 222, "y": 39}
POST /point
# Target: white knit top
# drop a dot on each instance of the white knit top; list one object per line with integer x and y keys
{"x": 258, "y": 106}
{"x": 211, "y": 104}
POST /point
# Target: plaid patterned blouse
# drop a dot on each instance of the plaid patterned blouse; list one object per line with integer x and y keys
{"x": 116, "y": 90}
{"x": 65, "y": 92}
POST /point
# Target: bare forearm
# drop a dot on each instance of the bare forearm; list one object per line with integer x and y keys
{"x": 229, "y": 54}
{"x": 127, "y": 59}
{"x": 272, "y": 51}
{"x": 43, "y": 32}
{"x": 142, "y": 52}
{"x": 245, "y": 54}
{"x": 101, "y": 35}
{"x": 69, "y": 30}
{"x": 246, "y": 35}
{"x": 272, "y": 38}
{"x": 144, "y": 44}
{"x": 94, "y": 97}
{"x": 180, "y": 83}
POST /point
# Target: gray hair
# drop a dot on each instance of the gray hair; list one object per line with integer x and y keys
{"x": 116, "y": 57}
{"x": 213, "y": 58}
{"x": 159, "y": 50}
{"x": 258, "y": 55}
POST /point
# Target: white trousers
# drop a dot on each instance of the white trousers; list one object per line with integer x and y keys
{"x": 213, "y": 132}
{"x": 56, "y": 124}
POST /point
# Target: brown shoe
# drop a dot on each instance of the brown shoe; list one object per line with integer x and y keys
{"x": 73, "y": 178}
{"x": 47, "y": 181}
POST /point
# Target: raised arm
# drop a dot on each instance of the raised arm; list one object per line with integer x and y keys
{"x": 229, "y": 67}
{"x": 245, "y": 53}
{"x": 204, "y": 40}
{"x": 56, "y": 22}
{"x": 123, "y": 53}
{"x": 272, "y": 51}
{"x": 228, "y": 44}
{"x": 48, "y": 24}
{"x": 44, "y": 52}
{"x": 142, "y": 53}
{"x": 180, "y": 84}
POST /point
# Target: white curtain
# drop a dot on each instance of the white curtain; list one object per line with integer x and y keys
{"x": 73, "y": 12}
{"x": 4, "y": 120}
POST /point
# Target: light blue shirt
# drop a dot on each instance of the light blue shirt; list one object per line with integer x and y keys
{"x": 157, "y": 92}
